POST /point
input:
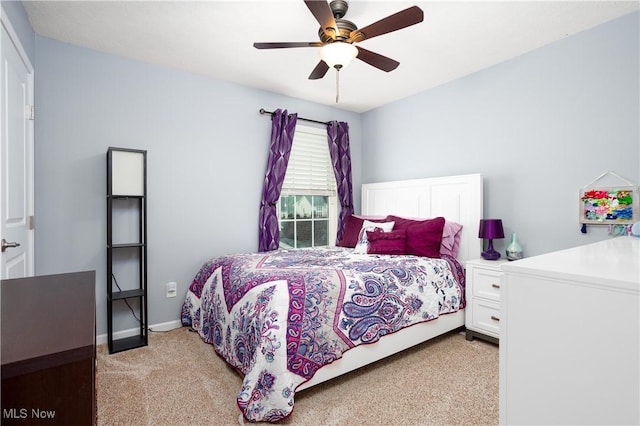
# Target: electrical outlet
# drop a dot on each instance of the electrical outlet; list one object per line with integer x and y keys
{"x": 172, "y": 289}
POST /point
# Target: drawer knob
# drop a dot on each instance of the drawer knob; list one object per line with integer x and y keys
{"x": 495, "y": 318}
{"x": 495, "y": 285}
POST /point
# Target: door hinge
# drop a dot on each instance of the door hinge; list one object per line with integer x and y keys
{"x": 31, "y": 223}
{"x": 30, "y": 112}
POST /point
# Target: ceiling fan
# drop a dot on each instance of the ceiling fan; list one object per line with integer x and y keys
{"x": 338, "y": 37}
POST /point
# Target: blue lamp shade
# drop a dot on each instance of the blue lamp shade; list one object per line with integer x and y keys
{"x": 490, "y": 229}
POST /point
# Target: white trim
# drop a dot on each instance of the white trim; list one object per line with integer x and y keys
{"x": 101, "y": 339}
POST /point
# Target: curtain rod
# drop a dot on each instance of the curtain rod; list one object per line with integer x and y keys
{"x": 263, "y": 111}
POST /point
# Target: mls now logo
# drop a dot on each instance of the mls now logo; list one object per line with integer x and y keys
{"x": 24, "y": 413}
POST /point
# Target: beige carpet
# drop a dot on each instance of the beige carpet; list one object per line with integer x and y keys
{"x": 179, "y": 380}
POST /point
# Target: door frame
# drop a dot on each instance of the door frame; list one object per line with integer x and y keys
{"x": 30, "y": 130}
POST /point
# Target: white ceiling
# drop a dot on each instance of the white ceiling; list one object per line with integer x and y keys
{"x": 215, "y": 38}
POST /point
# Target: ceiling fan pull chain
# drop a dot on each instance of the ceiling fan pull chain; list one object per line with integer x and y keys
{"x": 337, "y": 84}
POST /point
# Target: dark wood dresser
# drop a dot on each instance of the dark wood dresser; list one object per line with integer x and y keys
{"x": 48, "y": 349}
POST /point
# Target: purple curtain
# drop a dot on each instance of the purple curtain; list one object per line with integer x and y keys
{"x": 283, "y": 127}
{"x": 338, "y": 136}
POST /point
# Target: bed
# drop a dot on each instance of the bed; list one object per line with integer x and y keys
{"x": 290, "y": 319}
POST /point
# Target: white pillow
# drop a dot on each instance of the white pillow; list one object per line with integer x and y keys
{"x": 361, "y": 245}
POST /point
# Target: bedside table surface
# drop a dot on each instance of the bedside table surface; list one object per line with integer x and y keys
{"x": 497, "y": 264}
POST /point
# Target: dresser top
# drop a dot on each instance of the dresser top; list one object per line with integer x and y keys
{"x": 46, "y": 315}
{"x": 614, "y": 262}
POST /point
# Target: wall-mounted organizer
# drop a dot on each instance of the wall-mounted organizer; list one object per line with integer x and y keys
{"x": 615, "y": 205}
{"x": 127, "y": 244}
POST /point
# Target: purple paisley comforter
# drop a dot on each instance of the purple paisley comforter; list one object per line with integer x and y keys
{"x": 279, "y": 316}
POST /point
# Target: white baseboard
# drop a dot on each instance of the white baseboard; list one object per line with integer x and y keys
{"x": 101, "y": 339}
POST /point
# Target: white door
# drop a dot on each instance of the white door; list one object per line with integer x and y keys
{"x": 16, "y": 158}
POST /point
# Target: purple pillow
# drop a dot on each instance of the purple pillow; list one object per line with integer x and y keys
{"x": 401, "y": 222}
{"x": 352, "y": 227}
{"x": 450, "y": 239}
{"x": 392, "y": 242}
{"x": 424, "y": 238}
{"x": 450, "y": 243}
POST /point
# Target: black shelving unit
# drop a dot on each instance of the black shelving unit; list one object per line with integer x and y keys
{"x": 127, "y": 242}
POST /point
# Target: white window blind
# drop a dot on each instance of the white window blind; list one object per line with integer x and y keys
{"x": 309, "y": 170}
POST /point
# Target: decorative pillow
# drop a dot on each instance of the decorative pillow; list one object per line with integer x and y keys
{"x": 352, "y": 228}
{"x": 361, "y": 246}
{"x": 392, "y": 242}
{"x": 450, "y": 235}
{"x": 402, "y": 222}
{"x": 450, "y": 238}
{"x": 423, "y": 238}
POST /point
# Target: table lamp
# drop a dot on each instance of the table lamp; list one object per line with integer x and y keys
{"x": 489, "y": 230}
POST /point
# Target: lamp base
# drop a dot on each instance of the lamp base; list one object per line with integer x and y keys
{"x": 490, "y": 254}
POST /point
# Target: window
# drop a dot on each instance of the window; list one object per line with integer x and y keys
{"x": 307, "y": 209}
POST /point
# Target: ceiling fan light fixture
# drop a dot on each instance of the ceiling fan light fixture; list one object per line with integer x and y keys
{"x": 338, "y": 54}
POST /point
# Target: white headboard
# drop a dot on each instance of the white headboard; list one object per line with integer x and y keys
{"x": 456, "y": 198}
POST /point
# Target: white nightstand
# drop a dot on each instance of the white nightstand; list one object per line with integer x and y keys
{"x": 482, "y": 317}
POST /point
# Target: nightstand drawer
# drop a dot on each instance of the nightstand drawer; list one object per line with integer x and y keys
{"x": 486, "y": 284}
{"x": 486, "y": 317}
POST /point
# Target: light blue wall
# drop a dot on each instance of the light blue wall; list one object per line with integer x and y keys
{"x": 538, "y": 128}
{"x": 207, "y": 151}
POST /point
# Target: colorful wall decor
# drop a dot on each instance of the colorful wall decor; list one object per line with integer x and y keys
{"x": 609, "y": 205}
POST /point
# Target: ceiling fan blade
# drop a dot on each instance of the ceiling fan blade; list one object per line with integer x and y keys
{"x": 397, "y": 21}
{"x": 323, "y": 14}
{"x": 319, "y": 71}
{"x": 284, "y": 45}
{"x": 376, "y": 60}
